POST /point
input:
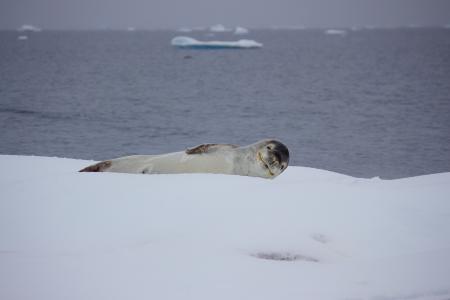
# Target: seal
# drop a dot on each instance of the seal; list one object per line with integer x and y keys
{"x": 266, "y": 159}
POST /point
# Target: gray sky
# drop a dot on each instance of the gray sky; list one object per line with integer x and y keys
{"x": 149, "y": 14}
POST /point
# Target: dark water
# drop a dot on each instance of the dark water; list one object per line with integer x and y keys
{"x": 372, "y": 103}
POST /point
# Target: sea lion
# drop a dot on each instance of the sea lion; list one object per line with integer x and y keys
{"x": 266, "y": 158}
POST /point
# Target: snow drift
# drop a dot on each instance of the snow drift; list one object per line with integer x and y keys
{"x": 187, "y": 42}
{"x": 308, "y": 234}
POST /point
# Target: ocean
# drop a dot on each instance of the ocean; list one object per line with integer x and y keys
{"x": 368, "y": 103}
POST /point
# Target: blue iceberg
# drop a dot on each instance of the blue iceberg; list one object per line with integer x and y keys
{"x": 187, "y": 42}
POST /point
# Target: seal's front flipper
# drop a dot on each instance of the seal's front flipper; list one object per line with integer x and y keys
{"x": 208, "y": 148}
{"x": 99, "y": 167}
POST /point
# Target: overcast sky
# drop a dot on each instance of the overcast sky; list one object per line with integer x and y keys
{"x": 149, "y": 14}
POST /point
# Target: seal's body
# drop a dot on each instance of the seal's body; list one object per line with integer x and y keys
{"x": 266, "y": 159}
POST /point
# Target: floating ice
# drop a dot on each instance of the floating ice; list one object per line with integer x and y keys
{"x": 184, "y": 29}
{"x": 240, "y": 30}
{"x": 218, "y": 28}
{"x": 187, "y": 42}
{"x": 299, "y": 27}
{"x": 336, "y": 31}
{"x": 22, "y": 37}
{"x": 27, "y": 27}
{"x": 131, "y": 29}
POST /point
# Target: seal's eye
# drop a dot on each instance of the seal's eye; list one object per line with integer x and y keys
{"x": 269, "y": 148}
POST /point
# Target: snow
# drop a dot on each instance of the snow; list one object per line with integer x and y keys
{"x": 218, "y": 28}
{"x": 335, "y": 32}
{"x": 27, "y": 27}
{"x": 187, "y": 42}
{"x": 308, "y": 234}
{"x": 241, "y": 30}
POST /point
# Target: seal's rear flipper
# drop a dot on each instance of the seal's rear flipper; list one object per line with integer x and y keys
{"x": 99, "y": 167}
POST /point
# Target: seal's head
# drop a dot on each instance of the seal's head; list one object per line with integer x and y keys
{"x": 272, "y": 156}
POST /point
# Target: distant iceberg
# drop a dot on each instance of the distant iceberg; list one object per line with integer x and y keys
{"x": 187, "y": 42}
{"x": 22, "y": 37}
{"x": 27, "y": 27}
{"x": 240, "y": 30}
{"x": 336, "y": 31}
{"x": 184, "y": 29}
{"x": 218, "y": 28}
{"x": 131, "y": 29}
{"x": 288, "y": 27}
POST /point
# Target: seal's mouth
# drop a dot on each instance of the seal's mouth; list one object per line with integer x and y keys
{"x": 265, "y": 164}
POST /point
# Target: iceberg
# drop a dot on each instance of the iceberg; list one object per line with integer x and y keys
{"x": 307, "y": 234}
{"x": 240, "y": 30}
{"x": 131, "y": 29}
{"x": 286, "y": 27}
{"x": 336, "y": 32}
{"x": 27, "y": 27}
{"x": 187, "y": 42}
{"x": 218, "y": 28}
{"x": 22, "y": 37}
{"x": 184, "y": 29}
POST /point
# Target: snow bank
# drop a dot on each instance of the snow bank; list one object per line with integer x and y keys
{"x": 336, "y": 32}
{"x": 187, "y": 42}
{"x": 241, "y": 30}
{"x": 308, "y": 234}
{"x": 26, "y": 27}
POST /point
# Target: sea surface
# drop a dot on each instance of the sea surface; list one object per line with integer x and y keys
{"x": 370, "y": 103}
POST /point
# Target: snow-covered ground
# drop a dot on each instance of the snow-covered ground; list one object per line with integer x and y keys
{"x": 308, "y": 234}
